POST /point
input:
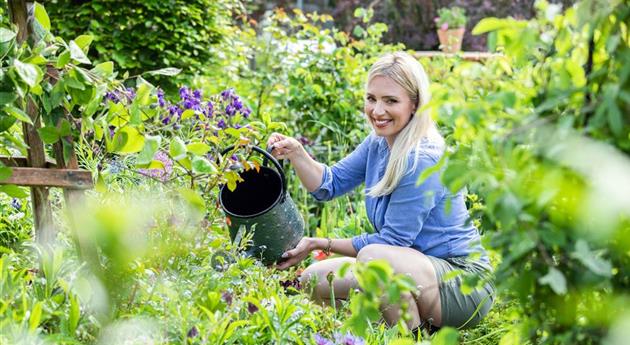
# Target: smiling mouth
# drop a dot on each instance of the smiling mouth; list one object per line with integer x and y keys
{"x": 381, "y": 123}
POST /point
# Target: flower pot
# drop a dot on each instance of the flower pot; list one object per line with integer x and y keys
{"x": 451, "y": 39}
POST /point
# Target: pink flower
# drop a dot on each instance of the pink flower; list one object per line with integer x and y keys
{"x": 444, "y": 26}
{"x": 436, "y": 19}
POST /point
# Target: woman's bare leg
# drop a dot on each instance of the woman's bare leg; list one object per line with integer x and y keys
{"x": 424, "y": 304}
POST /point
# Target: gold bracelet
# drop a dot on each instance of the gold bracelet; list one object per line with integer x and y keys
{"x": 328, "y": 247}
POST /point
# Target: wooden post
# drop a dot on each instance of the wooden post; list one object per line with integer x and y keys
{"x": 36, "y": 155}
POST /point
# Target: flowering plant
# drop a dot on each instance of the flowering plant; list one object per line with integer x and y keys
{"x": 197, "y": 129}
{"x": 451, "y": 18}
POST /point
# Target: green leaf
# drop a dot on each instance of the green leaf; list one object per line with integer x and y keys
{"x": 6, "y": 35}
{"x": 84, "y": 41}
{"x": 7, "y": 97}
{"x": 77, "y": 54}
{"x": 29, "y": 73}
{"x": 74, "y": 315}
{"x": 446, "y": 336}
{"x": 194, "y": 199}
{"x": 6, "y": 122}
{"x": 201, "y": 165}
{"x": 188, "y": 113}
{"x": 491, "y": 24}
{"x": 169, "y": 71}
{"x": 36, "y": 315}
{"x": 5, "y": 173}
{"x": 49, "y": 135}
{"x": 17, "y": 113}
{"x": 177, "y": 149}
{"x": 42, "y": 16}
{"x": 594, "y": 263}
{"x": 104, "y": 70}
{"x": 63, "y": 59}
{"x": 151, "y": 145}
{"x": 556, "y": 281}
{"x": 14, "y": 191}
{"x": 198, "y": 149}
{"x": 128, "y": 140}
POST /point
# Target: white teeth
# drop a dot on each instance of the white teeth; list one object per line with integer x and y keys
{"x": 381, "y": 122}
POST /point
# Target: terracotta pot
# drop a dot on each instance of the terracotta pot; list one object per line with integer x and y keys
{"x": 451, "y": 39}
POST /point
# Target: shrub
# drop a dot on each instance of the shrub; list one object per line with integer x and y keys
{"x": 147, "y": 35}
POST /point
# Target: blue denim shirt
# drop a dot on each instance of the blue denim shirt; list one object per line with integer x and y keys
{"x": 411, "y": 216}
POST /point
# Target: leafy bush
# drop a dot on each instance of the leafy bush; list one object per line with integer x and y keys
{"x": 528, "y": 129}
{"x": 147, "y": 35}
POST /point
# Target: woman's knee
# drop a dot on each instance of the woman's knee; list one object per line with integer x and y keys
{"x": 372, "y": 252}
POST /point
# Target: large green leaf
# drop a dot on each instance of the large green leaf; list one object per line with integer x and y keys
{"x": 49, "y": 135}
{"x": 7, "y": 97}
{"x": 42, "y": 16}
{"x": 17, "y": 113}
{"x": 177, "y": 149}
{"x": 29, "y": 73}
{"x": 201, "y": 165}
{"x": 151, "y": 145}
{"x": 77, "y": 54}
{"x": 128, "y": 140}
{"x": 555, "y": 279}
{"x": 6, "y": 35}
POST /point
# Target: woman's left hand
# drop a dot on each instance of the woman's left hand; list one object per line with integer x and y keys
{"x": 296, "y": 255}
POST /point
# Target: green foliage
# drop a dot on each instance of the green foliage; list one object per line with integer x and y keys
{"x": 451, "y": 17}
{"x": 529, "y": 129}
{"x": 147, "y": 35}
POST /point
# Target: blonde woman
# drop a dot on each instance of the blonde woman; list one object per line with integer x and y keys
{"x": 423, "y": 230}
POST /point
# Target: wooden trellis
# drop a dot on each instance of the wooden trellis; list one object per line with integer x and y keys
{"x": 35, "y": 171}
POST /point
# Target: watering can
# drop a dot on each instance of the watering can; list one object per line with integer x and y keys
{"x": 261, "y": 207}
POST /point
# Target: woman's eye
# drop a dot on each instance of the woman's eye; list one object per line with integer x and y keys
{"x": 391, "y": 101}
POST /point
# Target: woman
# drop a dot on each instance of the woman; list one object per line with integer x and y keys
{"x": 421, "y": 230}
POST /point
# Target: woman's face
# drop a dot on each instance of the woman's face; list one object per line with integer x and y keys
{"x": 388, "y": 107}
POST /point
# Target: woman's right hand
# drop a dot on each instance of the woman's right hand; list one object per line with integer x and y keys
{"x": 284, "y": 147}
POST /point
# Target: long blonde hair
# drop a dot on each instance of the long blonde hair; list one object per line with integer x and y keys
{"x": 407, "y": 72}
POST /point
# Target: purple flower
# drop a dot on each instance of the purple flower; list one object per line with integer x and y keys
{"x": 112, "y": 96}
{"x": 160, "y": 96}
{"x": 348, "y": 339}
{"x": 227, "y": 297}
{"x": 246, "y": 111}
{"x": 320, "y": 340}
{"x": 166, "y": 120}
{"x": 221, "y": 124}
{"x": 184, "y": 92}
{"x": 193, "y": 332}
{"x": 237, "y": 126}
{"x": 227, "y": 94}
{"x": 162, "y": 174}
{"x": 210, "y": 109}
{"x": 16, "y": 204}
{"x": 131, "y": 93}
{"x": 189, "y": 104}
{"x": 230, "y": 110}
{"x": 237, "y": 104}
{"x": 251, "y": 307}
{"x": 197, "y": 94}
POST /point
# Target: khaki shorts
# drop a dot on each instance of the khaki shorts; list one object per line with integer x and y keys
{"x": 459, "y": 310}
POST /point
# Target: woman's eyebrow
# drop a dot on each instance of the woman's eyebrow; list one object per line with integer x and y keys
{"x": 386, "y": 96}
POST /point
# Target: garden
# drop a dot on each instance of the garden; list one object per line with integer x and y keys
{"x": 120, "y": 126}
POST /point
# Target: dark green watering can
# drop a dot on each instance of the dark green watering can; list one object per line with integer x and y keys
{"x": 262, "y": 207}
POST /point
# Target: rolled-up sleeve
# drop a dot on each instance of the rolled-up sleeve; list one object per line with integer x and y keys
{"x": 345, "y": 175}
{"x": 408, "y": 208}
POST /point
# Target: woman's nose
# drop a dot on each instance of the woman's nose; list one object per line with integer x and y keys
{"x": 379, "y": 109}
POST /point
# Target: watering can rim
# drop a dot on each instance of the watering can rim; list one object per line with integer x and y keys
{"x": 279, "y": 171}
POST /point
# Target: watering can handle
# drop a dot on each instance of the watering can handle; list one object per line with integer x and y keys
{"x": 272, "y": 159}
